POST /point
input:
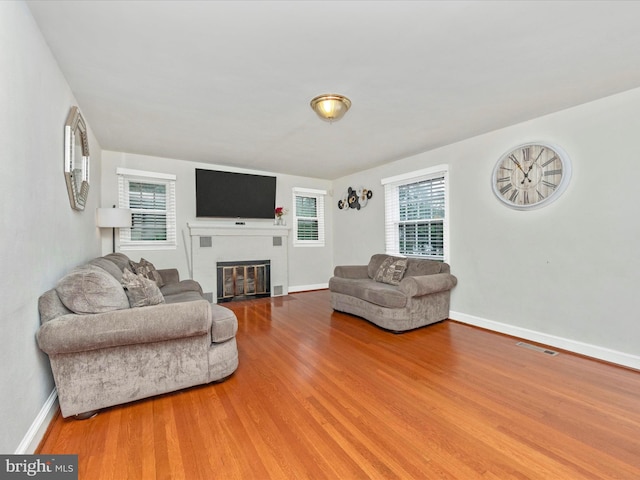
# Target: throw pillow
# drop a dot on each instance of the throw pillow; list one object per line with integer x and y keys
{"x": 90, "y": 289}
{"x": 140, "y": 290}
{"x": 391, "y": 270}
{"x": 147, "y": 269}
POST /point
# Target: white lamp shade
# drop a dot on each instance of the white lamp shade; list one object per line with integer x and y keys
{"x": 113, "y": 217}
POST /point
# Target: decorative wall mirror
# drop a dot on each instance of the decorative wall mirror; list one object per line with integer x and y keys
{"x": 76, "y": 159}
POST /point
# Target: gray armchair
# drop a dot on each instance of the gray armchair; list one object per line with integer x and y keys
{"x": 395, "y": 293}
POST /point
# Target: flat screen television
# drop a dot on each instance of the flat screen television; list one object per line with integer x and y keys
{"x": 234, "y": 195}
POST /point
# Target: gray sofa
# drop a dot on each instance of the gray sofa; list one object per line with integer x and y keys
{"x": 105, "y": 349}
{"x": 395, "y": 293}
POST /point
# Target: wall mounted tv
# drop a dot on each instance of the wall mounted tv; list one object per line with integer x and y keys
{"x": 234, "y": 195}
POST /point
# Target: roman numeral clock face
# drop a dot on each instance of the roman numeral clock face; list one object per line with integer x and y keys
{"x": 531, "y": 176}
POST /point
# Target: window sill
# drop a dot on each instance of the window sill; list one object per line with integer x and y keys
{"x": 147, "y": 247}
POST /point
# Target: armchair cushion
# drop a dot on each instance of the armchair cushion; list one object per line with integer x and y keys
{"x": 90, "y": 289}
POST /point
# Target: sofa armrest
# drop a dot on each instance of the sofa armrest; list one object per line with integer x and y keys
{"x": 351, "y": 271}
{"x": 169, "y": 275}
{"x": 426, "y": 284}
{"x": 156, "y": 323}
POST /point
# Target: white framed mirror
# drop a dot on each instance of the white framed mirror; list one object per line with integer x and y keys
{"x": 76, "y": 159}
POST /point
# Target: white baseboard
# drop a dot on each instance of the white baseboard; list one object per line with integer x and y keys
{"x": 594, "y": 351}
{"x": 38, "y": 428}
{"x": 306, "y": 288}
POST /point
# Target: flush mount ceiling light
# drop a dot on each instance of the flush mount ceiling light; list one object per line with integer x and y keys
{"x": 330, "y": 107}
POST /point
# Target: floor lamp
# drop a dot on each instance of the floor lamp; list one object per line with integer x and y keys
{"x": 113, "y": 218}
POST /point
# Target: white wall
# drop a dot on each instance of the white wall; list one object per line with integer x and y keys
{"x": 308, "y": 266}
{"x": 41, "y": 236}
{"x": 566, "y": 274}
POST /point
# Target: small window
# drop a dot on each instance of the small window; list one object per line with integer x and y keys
{"x": 152, "y": 199}
{"x": 308, "y": 217}
{"x": 416, "y": 219}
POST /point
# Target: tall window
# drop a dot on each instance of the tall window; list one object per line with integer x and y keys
{"x": 152, "y": 199}
{"x": 308, "y": 217}
{"x": 416, "y": 214}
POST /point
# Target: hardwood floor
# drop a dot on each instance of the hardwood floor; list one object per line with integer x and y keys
{"x": 324, "y": 395}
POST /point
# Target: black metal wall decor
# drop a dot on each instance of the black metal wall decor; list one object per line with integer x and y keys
{"x": 356, "y": 198}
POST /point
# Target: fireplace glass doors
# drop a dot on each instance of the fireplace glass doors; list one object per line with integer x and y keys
{"x": 243, "y": 280}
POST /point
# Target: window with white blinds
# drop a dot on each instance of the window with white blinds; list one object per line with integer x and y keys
{"x": 308, "y": 217}
{"x": 416, "y": 218}
{"x": 152, "y": 200}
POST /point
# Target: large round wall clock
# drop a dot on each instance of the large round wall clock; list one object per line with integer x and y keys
{"x": 531, "y": 175}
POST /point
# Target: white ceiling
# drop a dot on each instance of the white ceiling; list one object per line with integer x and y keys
{"x": 229, "y": 83}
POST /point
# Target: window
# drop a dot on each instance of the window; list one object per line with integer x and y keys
{"x": 152, "y": 199}
{"x": 308, "y": 217}
{"x": 416, "y": 214}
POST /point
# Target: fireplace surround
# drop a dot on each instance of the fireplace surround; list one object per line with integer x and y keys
{"x": 214, "y": 242}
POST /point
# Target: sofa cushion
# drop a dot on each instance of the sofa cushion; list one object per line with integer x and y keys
{"x": 109, "y": 266}
{"x": 181, "y": 286}
{"x": 119, "y": 259}
{"x": 146, "y": 268}
{"x": 90, "y": 289}
{"x": 391, "y": 270}
{"x": 181, "y": 297}
{"x": 140, "y": 291}
{"x": 381, "y": 294}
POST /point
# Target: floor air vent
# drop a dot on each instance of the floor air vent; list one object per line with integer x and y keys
{"x": 546, "y": 351}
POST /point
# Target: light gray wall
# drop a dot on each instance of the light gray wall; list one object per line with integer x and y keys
{"x": 41, "y": 236}
{"x": 566, "y": 273}
{"x": 308, "y": 266}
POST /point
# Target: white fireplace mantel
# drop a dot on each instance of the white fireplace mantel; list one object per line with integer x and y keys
{"x": 219, "y": 241}
{"x": 234, "y": 229}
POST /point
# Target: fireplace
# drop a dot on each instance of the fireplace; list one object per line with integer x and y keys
{"x": 243, "y": 280}
{"x": 222, "y": 241}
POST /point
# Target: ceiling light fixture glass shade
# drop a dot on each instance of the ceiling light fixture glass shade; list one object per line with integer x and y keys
{"x": 330, "y": 107}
